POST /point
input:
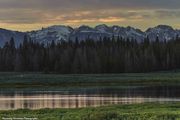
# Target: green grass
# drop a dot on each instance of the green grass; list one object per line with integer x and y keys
{"x": 146, "y": 111}
{"x": 25, "y": 80}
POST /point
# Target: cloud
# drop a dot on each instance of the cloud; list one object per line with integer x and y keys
{"x": 89, "y": 4}
{"x": 167, "y": 13}
{"x": 28, "y": 16}
{"x": 90, "y": 12}
{"x": 14, "y": 16}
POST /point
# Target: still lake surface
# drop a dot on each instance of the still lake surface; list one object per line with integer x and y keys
{"x": 85, "y": 97}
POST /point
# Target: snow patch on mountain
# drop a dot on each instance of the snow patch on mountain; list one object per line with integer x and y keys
{"x": 46, "y": 35}
{"x": 163, "y": 32}
{"x": 59, "y": 33}
{"x": 86, "y": 32}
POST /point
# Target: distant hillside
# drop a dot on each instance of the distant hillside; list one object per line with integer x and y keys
{"x": 65, "y": 33}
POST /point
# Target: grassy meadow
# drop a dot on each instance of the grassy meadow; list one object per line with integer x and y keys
{"x": 20, "y": 80}
{"x": 146, "y": 111}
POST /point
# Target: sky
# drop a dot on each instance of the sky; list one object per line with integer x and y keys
{"x": 27, "y": 15}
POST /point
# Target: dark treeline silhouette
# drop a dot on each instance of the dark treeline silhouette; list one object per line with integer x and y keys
{"x": 108, "y": 55}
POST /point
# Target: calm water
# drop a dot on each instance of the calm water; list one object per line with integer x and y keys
{"x": 77, "y": 98}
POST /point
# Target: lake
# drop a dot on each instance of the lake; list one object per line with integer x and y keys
{"x": 85, "y": 97}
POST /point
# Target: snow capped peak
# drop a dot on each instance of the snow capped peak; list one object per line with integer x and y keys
{"x": 103, "y": 28}
{"x": 85, "y": 27}
{"x": 115, "y": 28}
{"x": 61, "y": 32}
{"x": 163, "y": 32}
{"x": 164, "y": 27}
{"x": 128, "y": 32}
{"x": 56, "y": 33}
{"x": 160, "y": 27}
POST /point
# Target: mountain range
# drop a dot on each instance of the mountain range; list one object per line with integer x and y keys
{"x": 60, "y": 32}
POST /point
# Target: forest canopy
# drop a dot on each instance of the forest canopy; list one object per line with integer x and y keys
{"x": 107, "y": 55}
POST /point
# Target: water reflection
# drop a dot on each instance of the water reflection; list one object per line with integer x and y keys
{"x": 91, "y": 97}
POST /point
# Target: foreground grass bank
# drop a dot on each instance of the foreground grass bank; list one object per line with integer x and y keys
{"x": 19, "y": 80}
{"x": 147, "y": 111}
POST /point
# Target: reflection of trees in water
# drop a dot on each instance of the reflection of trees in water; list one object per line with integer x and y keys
{"x": 93, "y": 97}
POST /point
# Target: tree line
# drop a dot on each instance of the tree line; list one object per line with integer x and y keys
{"x": 107, "y": 55}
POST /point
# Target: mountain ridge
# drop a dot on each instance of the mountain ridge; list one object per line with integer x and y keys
{"x": 61, "y": 32}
